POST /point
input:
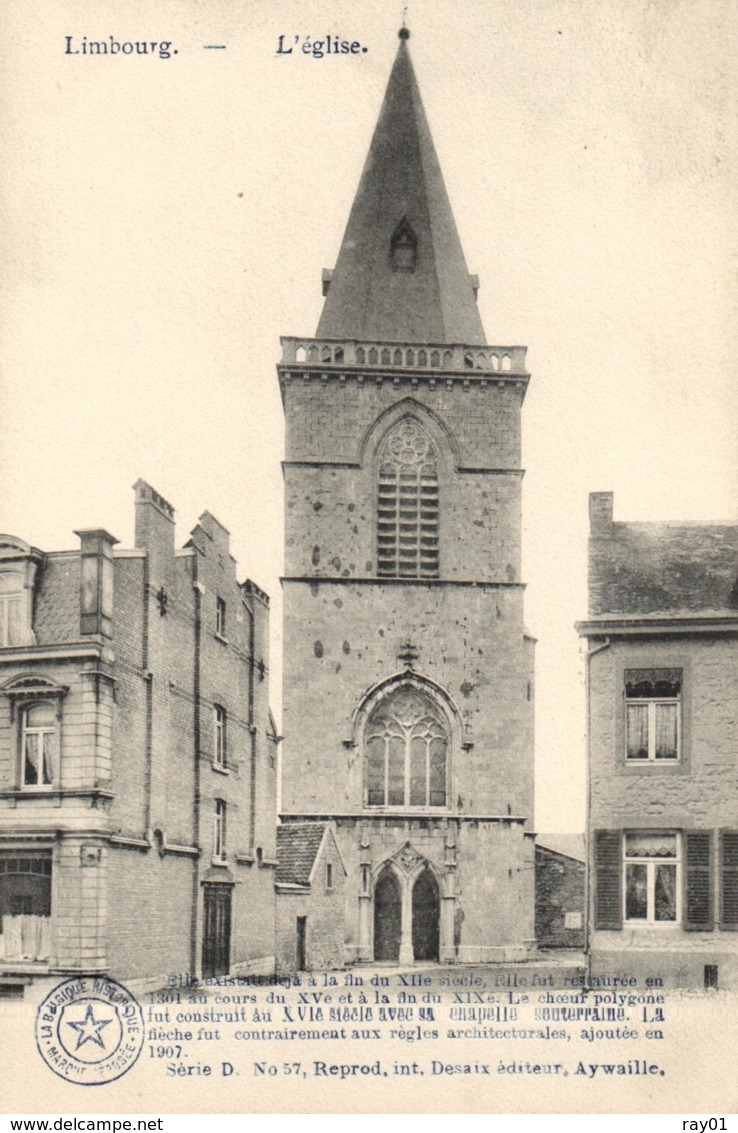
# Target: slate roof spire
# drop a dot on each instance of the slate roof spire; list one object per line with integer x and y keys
{"x": 401, "y": 273}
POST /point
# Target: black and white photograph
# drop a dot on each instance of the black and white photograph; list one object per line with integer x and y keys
{"x": 369, "y": 567}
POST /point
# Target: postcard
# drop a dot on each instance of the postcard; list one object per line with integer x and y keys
{"x": 369, "y": 584}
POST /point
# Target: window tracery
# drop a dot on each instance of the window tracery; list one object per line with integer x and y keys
{"x": 407, "y": 511}
{"x": 406, "y": 745}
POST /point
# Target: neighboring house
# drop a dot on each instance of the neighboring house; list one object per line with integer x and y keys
{"x": 560, "y": 889}
{"x": 408, "y": 672}
{"x": 137, "y": 759}
{"x": 311, "y": 893}
{"x": 662, "y": 686}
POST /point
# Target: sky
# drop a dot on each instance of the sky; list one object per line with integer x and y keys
{"x": 164, "y": 221}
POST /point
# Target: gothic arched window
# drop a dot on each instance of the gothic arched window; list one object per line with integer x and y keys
{"x": 406, "y": 744}
{"x": 407, "y": 513}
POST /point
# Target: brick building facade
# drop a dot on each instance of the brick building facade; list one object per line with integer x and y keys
{"x": 662, "y": 637}
{"x": 137, "y": 757}
{"x": 408, "y": 672}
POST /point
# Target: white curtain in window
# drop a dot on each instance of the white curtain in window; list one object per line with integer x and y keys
{"x": 637, "y": 731}
{"x": 666, "y": 731}
{"x": 26, "y": 937}
{"x": 665, "y": 893}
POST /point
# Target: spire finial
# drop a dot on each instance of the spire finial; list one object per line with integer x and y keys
{"x": 403, "y": 33}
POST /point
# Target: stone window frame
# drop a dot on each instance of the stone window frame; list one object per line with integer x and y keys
{"x": 421, "y": 495}
{"x": 652, "y": 703}
{"x": 25, "y": 693}
{"x": 695, "y": 883}
{"x": 221, "y": 611}
{"x": 220, "y": 737}
{"x": 220, "y": 831}
{"x": 651, "y": 862}
{"x": 19, "y": 558}
{"x": 47, "y": 773}
{"x": 449, "y": 712}
{"x": 40, "y": 851}
{"x": 448, "y": 457}
{"x": 416, "y": 747}
{"x": 651, "y": 659}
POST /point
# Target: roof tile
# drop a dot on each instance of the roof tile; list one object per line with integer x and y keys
{"x": 298, "y": 844}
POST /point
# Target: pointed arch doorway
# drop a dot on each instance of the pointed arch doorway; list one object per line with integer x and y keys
{"x": 426, "y": 908}
{"x": 387, "y": 918}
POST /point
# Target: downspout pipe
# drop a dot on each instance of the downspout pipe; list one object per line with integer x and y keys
{"x": 252, "y": 731}
{"x": 197, "y": 791}
{"x": 588, "y": 822}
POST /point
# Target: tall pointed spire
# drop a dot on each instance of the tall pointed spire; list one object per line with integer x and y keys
{"x": 401, "y": 273}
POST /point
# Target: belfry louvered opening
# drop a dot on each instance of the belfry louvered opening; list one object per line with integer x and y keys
{"x": 407, "y": 512}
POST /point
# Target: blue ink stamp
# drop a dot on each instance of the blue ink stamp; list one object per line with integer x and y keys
{"x": 90, "y": 1030}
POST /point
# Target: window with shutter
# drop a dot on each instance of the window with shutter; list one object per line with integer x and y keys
{"x": 729, "y": 879}
{"x": 698, "y": 913}
{"x": 608, "y": 906}
{"x": 651, "y": 876}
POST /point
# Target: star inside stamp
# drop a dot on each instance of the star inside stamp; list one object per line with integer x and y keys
{"x": 89, "y": 1030}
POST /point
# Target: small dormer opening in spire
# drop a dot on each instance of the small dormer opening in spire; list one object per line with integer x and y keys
{"x": 384, "y": 289}
{"x": 403, "y": 247}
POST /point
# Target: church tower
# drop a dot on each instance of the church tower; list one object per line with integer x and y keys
{"x": 408, "y": 673}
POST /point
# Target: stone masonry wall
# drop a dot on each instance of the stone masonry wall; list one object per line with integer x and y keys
{"x": 559, "y": 890}
{"x": 699, "y": 791}
{"x": 493, "y": 876}
{"x": 329, "y": 421}
{"x": 331, "y": 512}
{"x": 345, "y": 638}
{"x": 324, "y": 908}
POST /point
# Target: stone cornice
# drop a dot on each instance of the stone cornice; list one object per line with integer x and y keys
{"x": 71, "y": 651}
{"x": 463, "y": 380}
{"x": 406, "y": 815}
{"x": 353, "y": 464}
{"x": 633, "y": 625}
{"x": 431, "y": 582}
{"x": 39, "y": 794}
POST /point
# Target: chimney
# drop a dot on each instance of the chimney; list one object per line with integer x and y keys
{"x": 154, "y": 522}
{"x": 600, "y": 512}
{"x": 96, "y": 581}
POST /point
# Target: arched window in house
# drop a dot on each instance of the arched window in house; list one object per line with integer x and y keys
{"x": 40, "y": 741}
{"x": 406, "y": 743}
{"x": 407, "y": 513}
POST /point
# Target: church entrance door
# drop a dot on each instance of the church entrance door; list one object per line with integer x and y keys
{"x": 387, "y": 918}
{"x": 426, "y": 915}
